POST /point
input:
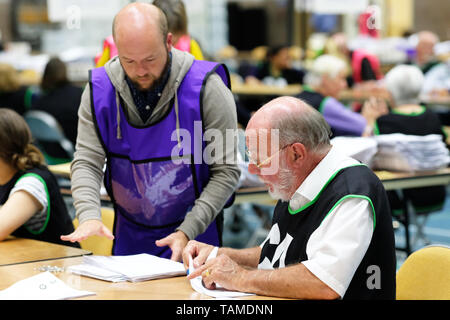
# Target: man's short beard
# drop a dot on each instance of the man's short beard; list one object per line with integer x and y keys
{"x": 158, "y": 80}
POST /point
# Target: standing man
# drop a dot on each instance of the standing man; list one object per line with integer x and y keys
{"x": 331, "y": 234}
{"x": 134, "y": 113}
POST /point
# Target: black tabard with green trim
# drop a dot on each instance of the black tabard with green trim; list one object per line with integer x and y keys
{"x": 58, "y": 221}
{"x": 288, "y": 243}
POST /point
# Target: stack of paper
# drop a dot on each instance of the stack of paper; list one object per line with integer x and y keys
{"x": 44, "y": 286}
{"x": 399, "y": 152}
{"x": 134, "y": 268}
{"x": 360, "y": 148}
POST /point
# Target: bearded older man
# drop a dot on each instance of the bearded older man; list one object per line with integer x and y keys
{"x": 331, "y": 234}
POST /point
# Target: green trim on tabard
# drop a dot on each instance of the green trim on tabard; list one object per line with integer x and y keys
{"x": 48, "y": 201}
{"x": 307, "y": 88}
{"x": 376, "y": 130}
{"x": 322, "y": 104}
{"x": 320, "y": 192}
{"x": 411, "y": 114}
{"x": 354, "y": 196}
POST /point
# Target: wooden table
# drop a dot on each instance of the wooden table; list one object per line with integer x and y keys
{"x": 62, "y": 169}
{"x": 265, "y": 90}
{"x": 176, "y": 288}
{"x": 18, "y": 250}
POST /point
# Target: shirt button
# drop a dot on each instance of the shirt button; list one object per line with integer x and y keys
{"x": 159, "y": 94}
{"x": 147, "y": 107}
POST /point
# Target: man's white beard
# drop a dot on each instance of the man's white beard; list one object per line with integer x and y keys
{"x": 281, "y": 191}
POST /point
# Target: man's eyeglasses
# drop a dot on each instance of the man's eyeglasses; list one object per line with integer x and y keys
{"x": 267, "y": 160}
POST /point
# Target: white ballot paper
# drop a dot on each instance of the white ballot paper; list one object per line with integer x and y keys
{"x": 219, "y": 292}
{"x": 43, "y": 286}
{"x": 134, "y": 268}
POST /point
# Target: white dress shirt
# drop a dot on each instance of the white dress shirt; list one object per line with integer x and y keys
{"x": 336, "y": 248}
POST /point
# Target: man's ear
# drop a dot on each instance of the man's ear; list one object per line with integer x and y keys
{"x": 297, "y": 153}
{"x": 169, "y": 41}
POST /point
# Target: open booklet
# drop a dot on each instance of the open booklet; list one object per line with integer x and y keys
{"x": 134, "y": 268}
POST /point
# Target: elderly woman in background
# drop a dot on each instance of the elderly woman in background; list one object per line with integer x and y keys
{"x": 324, "y": 82}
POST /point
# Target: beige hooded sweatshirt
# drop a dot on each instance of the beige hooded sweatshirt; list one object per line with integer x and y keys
{"x": 219, "y": 112}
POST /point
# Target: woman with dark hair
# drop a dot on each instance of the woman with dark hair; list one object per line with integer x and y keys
{"x": 60, "y": 98}
{"x": 31, "y": 205}
{"x": 277, "y": 66}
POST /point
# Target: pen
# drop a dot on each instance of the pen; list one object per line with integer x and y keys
{"x": 191, "y": 266}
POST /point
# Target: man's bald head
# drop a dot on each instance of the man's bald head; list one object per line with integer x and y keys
{"x": 138, "y": 18}
{"x": 296, "y": 121}
{"x": 143, "y": 43}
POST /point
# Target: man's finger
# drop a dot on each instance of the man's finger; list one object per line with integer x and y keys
{"x": 176, "y": 255}
{"x": 201, "y": 258}
{"x": 107, "y": 233}
{"x": 197, "y": 272}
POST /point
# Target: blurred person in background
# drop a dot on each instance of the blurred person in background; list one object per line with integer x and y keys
{"x": 408, "y": 116}
{"x": 425, "y": 58}
{"x": 276, "y": 69}
{"x": 365, "y": 66}
{"x": 13, "y": 94}
{"x": 59, "y": 97}
{"x": 177, "y": 20}
{"x": 323, "y": 84}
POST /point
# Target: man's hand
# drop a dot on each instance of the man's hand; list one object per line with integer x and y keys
{"x": 199, "y": 252}
{"x": 374, "y": 108}
{"x": 88, "y": 228}
{"x": 176, "y": 241}
{"x": 222, "y": 271}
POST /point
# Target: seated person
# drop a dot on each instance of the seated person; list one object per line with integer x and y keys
{"x": 324, "y": 82}
{"x": 31, "y": 203}
{"x": 12, "y": 94}
{"x": 437, "y": 81}
{"x": 409, "y": 117}
{"x": 425, "y": 58}
{"x": 365, "y": 66}
{"x": 276, "y": 67}
{"x": 331, "y": 225}
{"x": 60, "y": 98}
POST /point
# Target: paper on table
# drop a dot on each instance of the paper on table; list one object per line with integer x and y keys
{"x": 44, "y": 286}
{"x": 139, "y": 267}
{"x": 219, "y": 292}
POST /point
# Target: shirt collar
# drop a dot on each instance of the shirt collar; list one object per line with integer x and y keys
{"x": 314, "y": 182}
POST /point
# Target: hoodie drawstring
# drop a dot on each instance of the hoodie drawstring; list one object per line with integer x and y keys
{"x": 119, "y": 133}
{"x": 177, "y": 114}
